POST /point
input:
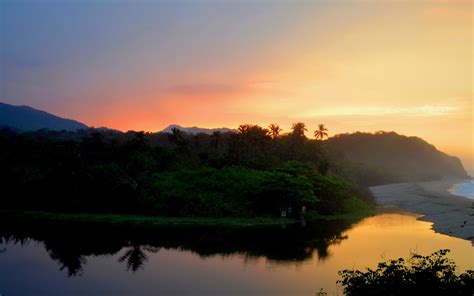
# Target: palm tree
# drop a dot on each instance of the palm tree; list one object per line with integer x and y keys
{"x": 176, "y": 136}
{"x": 321, "y": 132}
{"x": 135, "y": 256}
{"x": 298, "y": 130}
{"x": 274, "y": 130}
{"x": 243, "y": 129}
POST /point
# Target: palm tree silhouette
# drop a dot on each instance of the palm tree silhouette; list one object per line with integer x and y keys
{"x": 274, "y": 130}
{"x": 244, "y": 129}
{"x": 321, "y": 132}
{"x": 298, "y": 130}
{"x": 135, "y": 256}
{"x": 176, "y": 136}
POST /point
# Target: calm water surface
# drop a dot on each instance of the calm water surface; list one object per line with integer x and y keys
{"x": 296, "y": 260}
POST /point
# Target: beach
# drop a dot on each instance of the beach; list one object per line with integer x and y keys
{"x": 450, "y": 214}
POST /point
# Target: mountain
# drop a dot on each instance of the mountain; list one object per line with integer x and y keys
{"x": 196, "y": 130}
{"x": 387, "y": 157}
{"x": 25, "y": 118}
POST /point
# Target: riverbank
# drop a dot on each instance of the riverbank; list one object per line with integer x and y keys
{"x": 450, "y": 214}
{"x": 160, "y": 221}
{"x": 142, "y": 220}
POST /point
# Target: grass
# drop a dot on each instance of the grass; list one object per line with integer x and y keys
{"x": 142, "y": 220}
{"x": 353, "y": 208}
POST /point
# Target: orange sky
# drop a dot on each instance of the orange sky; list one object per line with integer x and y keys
{"x": 355, "y": 65}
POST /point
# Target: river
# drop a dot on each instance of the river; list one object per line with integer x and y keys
{"x": 284, "y": 260}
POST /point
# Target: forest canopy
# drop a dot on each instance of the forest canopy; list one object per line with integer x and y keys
{"x": 248, "y": 173}
{"x": 254, "y": 171}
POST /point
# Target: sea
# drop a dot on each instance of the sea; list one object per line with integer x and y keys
{"x": 465, "y": 189}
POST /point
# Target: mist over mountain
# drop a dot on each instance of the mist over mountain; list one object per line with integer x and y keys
{"x": 386, "y": 157}
{"x": 25, "y": 118}
{"x": 196, "y": 130}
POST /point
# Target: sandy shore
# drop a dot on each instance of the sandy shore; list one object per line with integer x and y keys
{"x": 452, "y": 215}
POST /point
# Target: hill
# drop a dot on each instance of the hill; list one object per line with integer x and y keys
{"x": 196, "y": 130}
{"x": 386, "y": 157}
{"x": 25, "y": 118}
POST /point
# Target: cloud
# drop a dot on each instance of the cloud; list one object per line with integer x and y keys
{"x": 424, "y": 110}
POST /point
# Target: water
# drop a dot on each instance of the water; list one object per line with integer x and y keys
{"x": 78, "y": 260}
{"x": 465, "y": 189}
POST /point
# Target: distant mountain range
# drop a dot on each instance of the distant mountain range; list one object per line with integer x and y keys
{"x": 197, "y": 130}
{"x": 25, "y": 118}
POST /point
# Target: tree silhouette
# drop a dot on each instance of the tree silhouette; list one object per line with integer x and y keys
{"x": 216, "y": 139}
{"x": 140, "y": 141}
{"x": 321, "y": 132}
{"x": 196, "y": 142}
{"x": 135, "y": 256}
{"x": 274, "y": 130}
{"x": 176, "y": 136}
{"x": 298, "y": 130}
{"x": 434, "y": 274}
{"x": 243, "y": 129}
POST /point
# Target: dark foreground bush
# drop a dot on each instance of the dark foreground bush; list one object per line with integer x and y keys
{"x": 419, "y": 275}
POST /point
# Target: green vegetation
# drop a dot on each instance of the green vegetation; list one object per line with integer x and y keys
{"x": 140, "y": 220}
{"x": 255, "y": 172}
{"x": 419, "y": 275}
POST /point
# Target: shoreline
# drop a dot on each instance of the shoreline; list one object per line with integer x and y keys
{"x": 95, "y": 218}
{"x": 162, "y": 221}
{"x": 450, "y": 214}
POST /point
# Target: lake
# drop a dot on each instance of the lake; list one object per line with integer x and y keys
{"x": 46, "y": 259}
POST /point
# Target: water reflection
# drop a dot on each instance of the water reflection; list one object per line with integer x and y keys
{"x": 205, "y": 261}
{"x": 135, "y": 256}
{"x": 70, "y": 245}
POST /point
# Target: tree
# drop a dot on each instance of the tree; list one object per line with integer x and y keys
{"x": 434, "y": 274}
{"x": 176, "y": 136}
{"x": 298, "y": 130}
{"x": 135, "y": 257}
{"x": 216, "y": 139}
{"x": 274, "y": 131}
{"x": 140, "y": 142}
{"x": 321, "y": 132}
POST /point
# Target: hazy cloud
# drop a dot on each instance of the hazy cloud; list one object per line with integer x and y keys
{"x": 425, "y": 110}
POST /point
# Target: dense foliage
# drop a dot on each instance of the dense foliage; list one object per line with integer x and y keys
{"x": 420, "y": 275}
{"x": 252, "y": 172}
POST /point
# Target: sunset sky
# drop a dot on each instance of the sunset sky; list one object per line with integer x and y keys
{"x": 361, "y": 65}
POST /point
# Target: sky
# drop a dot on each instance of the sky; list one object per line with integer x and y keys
{"x": 354, "y": 65}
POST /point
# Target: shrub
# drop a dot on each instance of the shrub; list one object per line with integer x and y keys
{"x": 419, "y": 275}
